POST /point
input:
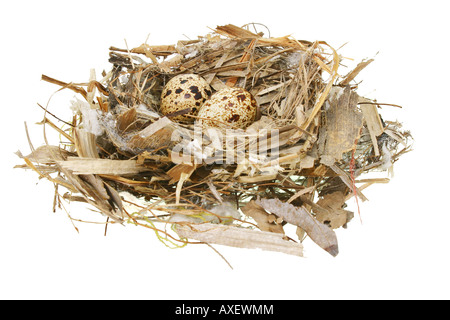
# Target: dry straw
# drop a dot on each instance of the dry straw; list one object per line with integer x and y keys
{"x": 116, "y": 153}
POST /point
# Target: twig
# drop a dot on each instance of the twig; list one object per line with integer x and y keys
{"x": 381, "y": 104}
{"x": 216, "y": 251}
{"x": 69, "y": 124}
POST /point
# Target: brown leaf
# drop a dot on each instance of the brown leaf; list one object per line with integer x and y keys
{"x": 333, "y": 215}
{"x": 332, "y": 201}
{"x": 321, "y": 234}
{"x": 265, "y": 221}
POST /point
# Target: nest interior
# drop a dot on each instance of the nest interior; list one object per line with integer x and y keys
{"x": 117, "y": 151}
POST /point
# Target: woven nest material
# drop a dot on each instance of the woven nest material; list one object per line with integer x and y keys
{"x": 313, "y": 136}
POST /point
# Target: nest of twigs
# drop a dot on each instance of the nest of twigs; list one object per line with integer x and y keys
{"x": 314, "y": 136}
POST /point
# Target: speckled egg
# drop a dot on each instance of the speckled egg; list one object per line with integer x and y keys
{"x": 183, "y": 92}
{"x": 234, "y": 106}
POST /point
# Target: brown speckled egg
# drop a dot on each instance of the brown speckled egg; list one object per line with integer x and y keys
{"x": 234, "y": 106}
{"x": 182, "y": 92}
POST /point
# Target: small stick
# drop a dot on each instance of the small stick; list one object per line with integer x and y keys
{"x": 69, "y": 124}
{"x": 382, "y": 104}
{"x": 219, "y": 254}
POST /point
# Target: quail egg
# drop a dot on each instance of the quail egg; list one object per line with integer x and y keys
{"x": 234, "y": 106}
{"x": 184, "y": 92}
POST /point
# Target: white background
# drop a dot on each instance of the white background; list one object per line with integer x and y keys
{"x": 399, "y": 251}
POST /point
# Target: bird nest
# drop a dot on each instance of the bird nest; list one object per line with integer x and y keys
{"x": 296, "y": 164}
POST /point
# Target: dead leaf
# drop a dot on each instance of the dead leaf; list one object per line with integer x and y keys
{"x": 265, "y": 221}
{"x": 333, "y": 215}
{"x": 321, "y": 234}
